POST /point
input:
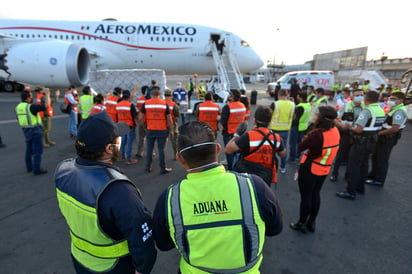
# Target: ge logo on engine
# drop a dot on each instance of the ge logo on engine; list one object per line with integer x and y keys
{"x": 53, "y": 61}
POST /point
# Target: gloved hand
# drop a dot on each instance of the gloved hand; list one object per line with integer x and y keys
{"x": 241, "y": 128}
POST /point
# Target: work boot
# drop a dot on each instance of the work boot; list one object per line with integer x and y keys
{"x": 298, "y": 227}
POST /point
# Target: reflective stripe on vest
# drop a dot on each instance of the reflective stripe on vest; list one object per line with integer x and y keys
{"x": 237, "y": 112}
{"x": 111, "y": 103}
{"x": 156, "y": 114}
{"x": 282, "y": 115}
{"x": 96, "y": 109}
{"x": 375, "y": 122}
{"x": 171, "y": 105}
{"x": 264, "y": 155}
{"x": 322, "y": 164}
{"x": 185, "y": 235}
{"x": 208, "y": 112}
{"x": 389, "y": 118}
{"x": 124, "y": 114}
{"x": 78, "y": 190}
{"x": 24, "y": 116}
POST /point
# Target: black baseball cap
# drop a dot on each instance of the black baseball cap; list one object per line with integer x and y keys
{"x": 99, "y": 130}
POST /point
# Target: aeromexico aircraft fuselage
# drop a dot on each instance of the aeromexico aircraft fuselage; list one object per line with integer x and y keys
{"x": 58, "y": 53}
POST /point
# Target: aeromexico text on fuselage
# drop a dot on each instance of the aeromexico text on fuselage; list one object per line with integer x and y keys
{"x": 145, "y": 29}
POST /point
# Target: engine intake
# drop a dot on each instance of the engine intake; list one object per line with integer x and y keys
{"x": 49, "y": 63}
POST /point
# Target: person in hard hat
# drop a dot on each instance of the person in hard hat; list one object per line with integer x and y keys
{"x": 216, "y": 219}
{"x": 110, "y": 227}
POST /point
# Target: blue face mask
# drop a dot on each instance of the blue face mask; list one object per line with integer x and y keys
{"x": 391, "y": 103}
{"x": 358, "y": 99}
{"x": 308, "y": 91}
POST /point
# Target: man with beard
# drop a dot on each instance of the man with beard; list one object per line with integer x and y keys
{"x": 110, "y": 227}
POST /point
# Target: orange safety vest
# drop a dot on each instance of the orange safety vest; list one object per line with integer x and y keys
{"x": 208, "y": 112}
{"x": 171, "y": 105}
{"x": 124, "y": 114}
{"x": 247, "y": 115}
{"x": 111, "y": 103}
{"x": 264, "y": 155}
{"x": 155, "y": 113}
{"x": 66, "y": 101}
{"x": 140, "y": 101}
{"x": 321, "y": 165}
{"x": 237, "y": 115}
{"x": 96, "y": 109}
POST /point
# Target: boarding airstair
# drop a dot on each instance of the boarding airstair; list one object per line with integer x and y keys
{"x": 227, "y": 68}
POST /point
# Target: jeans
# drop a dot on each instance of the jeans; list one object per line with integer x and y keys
{"x": 127, "y": 144}
{"x": 295, "y": 138}
{"x": 34, "y": 147}
{"x": 73, "y": 123}
{"x": 284, "y": 134}
{"x": 151, "y": 137}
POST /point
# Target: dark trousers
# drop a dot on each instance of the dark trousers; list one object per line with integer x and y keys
{"x": 151, "y": 137}
{"x": 343, "y": 153}
{"x": 34, "y": 147}
{"x": 295, "y": 138}
{"x": 229, "y": 157}
{"x": 309, "y": 188}
{"x": 358, "y": 163}
{"x": 380, "y": 158}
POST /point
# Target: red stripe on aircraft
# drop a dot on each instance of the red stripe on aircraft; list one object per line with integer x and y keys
{"x": 90, "y": 35}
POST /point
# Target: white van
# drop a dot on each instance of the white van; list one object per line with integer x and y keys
{"x": 316, "y": 78}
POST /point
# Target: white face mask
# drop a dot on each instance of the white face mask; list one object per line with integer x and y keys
{"x": 358, "y": 99}
{"x": 391, "y": 103}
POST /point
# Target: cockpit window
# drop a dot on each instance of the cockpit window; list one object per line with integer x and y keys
{"x": 243, "y": 43}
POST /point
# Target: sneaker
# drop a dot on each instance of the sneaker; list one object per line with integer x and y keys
{"x": 283, "y": 170}
{"x": 131, "y": 161}
{"x": 148, "y": 170}
{"x": 46, "y": 145}
{"x": 166, "y": 170}
{"x": 345, "y": 195}
{"x": 40, "y": 171}
{"x": 138, "y": 155}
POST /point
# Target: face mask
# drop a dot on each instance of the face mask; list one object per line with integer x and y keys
{"x": 358, "y": 99}
{"x": 308, "y": 91}
{"x": 391, "y": 103}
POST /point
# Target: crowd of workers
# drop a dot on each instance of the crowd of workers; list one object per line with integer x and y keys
{"x": 217, "y": 217}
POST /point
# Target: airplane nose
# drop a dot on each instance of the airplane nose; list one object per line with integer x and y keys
{"x": 259, "y": 61}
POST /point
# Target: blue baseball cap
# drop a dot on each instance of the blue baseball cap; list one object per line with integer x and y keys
{"x": 99, "y": 130}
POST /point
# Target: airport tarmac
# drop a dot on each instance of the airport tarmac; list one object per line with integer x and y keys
{"x": 369, "y": 235}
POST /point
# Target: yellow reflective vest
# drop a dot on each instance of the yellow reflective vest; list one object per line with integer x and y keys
{"x": 25, "y": 117}
{"x": 86, "y": 105}
{"x": 211, "y": 215}
{"x": 77, "y": 200}
{"x": 282, "y": 115}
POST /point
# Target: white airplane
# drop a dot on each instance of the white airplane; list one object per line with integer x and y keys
{"x": 61, "y": 53}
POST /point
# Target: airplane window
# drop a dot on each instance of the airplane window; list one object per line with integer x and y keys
{"x": 27, "y": 36}
{"x": 244, "y": 43}
{"x": 50, "y": 36}
{"x": 185, "y": 39}
{"x": 168, "y": 39}
{"x": 33, "y": 36}
{"x": 191, "y": 39}
{"x": 174, "y": 39}
{"x": 180, "y": 39}
{"x": 163, "y": 39}
{"x": 72, "y": 37}
{"x": 67, "y": 37}
{"x": 157, "y": 39}
{"x": 151, "y": 39}
{"x": 61, "y": 36}
{"x": 55, "y": 36}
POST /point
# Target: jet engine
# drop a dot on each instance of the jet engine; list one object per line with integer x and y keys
{"x": 48, "y": 63}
